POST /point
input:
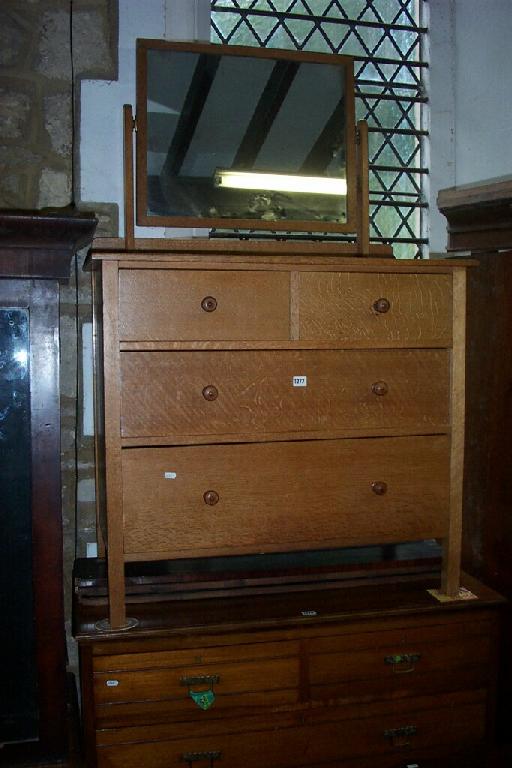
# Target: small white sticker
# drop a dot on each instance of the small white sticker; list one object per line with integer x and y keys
{"x": 112, "y": 683}
{"x": 300, "y": 381}
{"x": 170, "y": 475}
{"x": 309, "y": 613}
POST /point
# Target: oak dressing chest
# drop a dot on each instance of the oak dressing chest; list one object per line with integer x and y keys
{"x": 260, "y": 398}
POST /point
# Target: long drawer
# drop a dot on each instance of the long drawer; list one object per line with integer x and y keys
{"x": 208, "y": 393}
{"x": 196, "y": 500}
{"x": 315, "y": 736}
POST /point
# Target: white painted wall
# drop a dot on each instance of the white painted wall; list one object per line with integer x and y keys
{"x": 442, "y": 112}
{"x": 101, "y": 103}
{"x": 101, "y": 129}
{"x": 471, "y": 97}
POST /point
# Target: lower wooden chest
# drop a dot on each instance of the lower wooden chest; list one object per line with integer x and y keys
{"x": 369, "y": 676}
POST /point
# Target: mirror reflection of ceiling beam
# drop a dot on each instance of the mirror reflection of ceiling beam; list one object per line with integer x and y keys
{"x": 329, "y": 143}
{"x": 202, "y": 80}
{"x": 266, "y": 110}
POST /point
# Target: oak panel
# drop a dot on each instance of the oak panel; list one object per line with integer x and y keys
{"x": 163, "y": 304}
{"x": 164, "y": 393}
{"x": 340, "y": 305}
{"x": 284, "y": 496}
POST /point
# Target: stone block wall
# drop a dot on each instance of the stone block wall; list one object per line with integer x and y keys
{"x": 46, "y": 48}
{"x": 43, "y": 44}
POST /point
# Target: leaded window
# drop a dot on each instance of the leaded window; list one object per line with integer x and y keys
{"x": 387, "y": 40}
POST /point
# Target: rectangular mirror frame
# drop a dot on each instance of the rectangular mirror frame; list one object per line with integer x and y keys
{"x": 150, "y": 220}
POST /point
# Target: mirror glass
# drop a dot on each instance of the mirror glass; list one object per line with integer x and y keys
{"x": 235, "y": 137}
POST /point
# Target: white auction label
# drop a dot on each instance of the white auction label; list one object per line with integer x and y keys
{"x": 170, "y": 475}
{"x": 300, "y": 381}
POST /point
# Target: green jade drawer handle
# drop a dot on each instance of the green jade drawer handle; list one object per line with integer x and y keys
{"x": 195, "y": 757}
{"x": 403, "y": 663}
{"x": 401, "y": 737}
{"x": 205, "y": 697}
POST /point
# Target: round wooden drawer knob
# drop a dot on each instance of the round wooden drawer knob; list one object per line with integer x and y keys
{"x": 379, "y": 487}
{"x": 211, "y": 498}
{"x": 209, "y": 304}
{"x": 380, "y": 388}
{"x": 210, "y": 392}
{"x": 382, "y": 306}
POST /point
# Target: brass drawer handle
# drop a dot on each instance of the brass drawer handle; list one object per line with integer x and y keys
{"x": 210, "y": 393}
{"x": 382, "y": 306}
{"x": 194, "y": 757}
{"x": 205, "y": 697}
{"x": 379, "y": 487}
{"x": 211, "y": 498}
{"x": 403, "y": 663}
{"x": 401, "y": 737}
{"x": 209, "y": 304}
{"x": 380, "y": 388}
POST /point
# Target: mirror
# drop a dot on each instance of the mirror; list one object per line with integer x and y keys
{"x": 244, "y": 138}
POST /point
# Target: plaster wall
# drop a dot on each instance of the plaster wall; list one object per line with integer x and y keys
{"x": 470, "y": 97}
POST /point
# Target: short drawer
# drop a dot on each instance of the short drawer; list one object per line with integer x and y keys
{"x": 374, "y": 309}
{"x": 166, "y": 304}
{"x": 288, "y": 741}
{"x": 202, "y": 687}
{"x": 196, "y": 500}
{"x": 391, "y": 662}
{"x": 130, "y": 689}
{"x": 255, "y": 392}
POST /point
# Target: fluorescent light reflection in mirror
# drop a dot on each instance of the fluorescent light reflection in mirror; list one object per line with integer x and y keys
{"x": 277, "y": 182}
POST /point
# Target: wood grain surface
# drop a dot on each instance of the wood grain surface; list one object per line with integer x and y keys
{"x": 283, "y": 741}
{"x": 450, "y": 581}
{"x": 204, "y": 359}
{"x": 166, "y": 304}
{"x": 283, "y": 496}
{"x": 163, "y": 392}
{"x": 235, "y": 678}
{"x": 345, "y": 694}
{"x": 340, "y": 305}
{"x": 113, "y": 473}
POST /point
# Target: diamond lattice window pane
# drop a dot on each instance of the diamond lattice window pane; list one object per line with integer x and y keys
{"x": 385, "y": 37}
{"x": 318, "y": 7}
{"x": 396, "y": 183}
